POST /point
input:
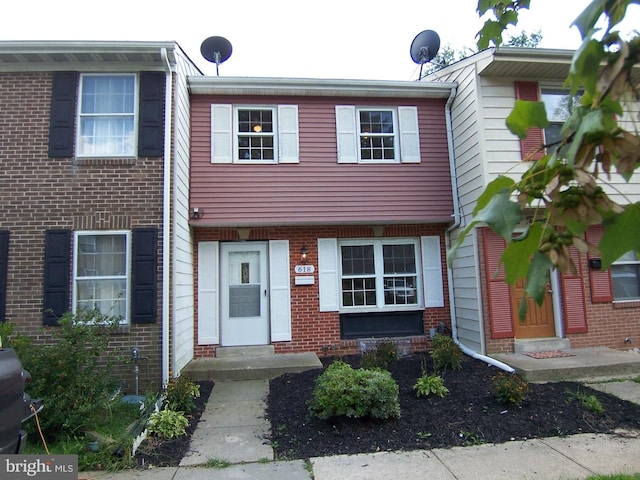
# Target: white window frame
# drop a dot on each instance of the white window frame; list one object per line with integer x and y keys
{"x": 237, "y": 133}
{"x": 395, "y": 135}
{"x": 623, "y": 261}
{"x": 557, "y": 91}
{"x": 378, "y": 243}
{"x": 127, "y": 277}
{"x": 406, "y": 134}
{"x": 134, "y": 115}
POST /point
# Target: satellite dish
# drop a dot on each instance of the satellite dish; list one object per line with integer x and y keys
{"x": 424, "y": 47}
{"x": 216, "y": 50}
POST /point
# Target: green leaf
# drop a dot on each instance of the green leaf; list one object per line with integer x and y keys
{"x": 585, "y": 66}
{"x": 491, "y": 31}
{"x": 620, "y": 235}
{"x": 595, "y": 124}
{"x": 537, "y": 280}
{"x": 500, "y": 184}
{"x": 526, "y": 114}
{"x": 586, "y": 21}
{"x": 518, "y": 252}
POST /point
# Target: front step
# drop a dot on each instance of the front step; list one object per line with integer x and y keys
{"x": 253, "y": 351}
{"x": 541, "y": 345}
{"x": 262, "y": 367}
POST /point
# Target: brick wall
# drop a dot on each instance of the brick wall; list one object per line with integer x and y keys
{"x": 311, "y": 329}
{"x": 39, "y": 193}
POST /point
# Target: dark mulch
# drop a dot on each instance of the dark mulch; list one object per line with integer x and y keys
{"x": 468, "y": 415}
{"x": 158, "y": 452}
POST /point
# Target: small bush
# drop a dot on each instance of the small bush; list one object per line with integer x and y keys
{"x": 180, "y": 394}
{"x": 168, "y": 423}
{"x": 428, "y": 384}
{"x": 72, "y": 376}
{"x": 509, "y": 388}
{"x": 385, "y": 353}
{"x": 344, "y": 391}
{"x": 446, "y": 354}
{"x": 590, "y": 402}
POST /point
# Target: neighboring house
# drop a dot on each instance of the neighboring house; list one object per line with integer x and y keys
{"x": 94, "y": 199}
{"x": 586, "y": 308}
{"x": 319, "y": 210}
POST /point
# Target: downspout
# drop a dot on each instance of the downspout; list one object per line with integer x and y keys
{"x": 166, "y": 216}
{"x": 457, "y": 220}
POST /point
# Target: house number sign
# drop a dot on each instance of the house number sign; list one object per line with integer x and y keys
{"x": 304, "y": 269}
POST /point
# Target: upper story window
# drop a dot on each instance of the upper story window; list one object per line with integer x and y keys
{"x": 379, "y": 273}
{"x": 559, "y": 104}
{"x": 625, "y": 277}
{"x": 377, "y": 132}
{"x": 101, "y": 266}
{"x": 255, "y": 139}
{"x": 106, "y": 116}
{"x": 254, "y": 134}
{"x": 377, "y": 135}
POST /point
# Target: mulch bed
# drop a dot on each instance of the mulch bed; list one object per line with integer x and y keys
{"x": 468, "y": 415}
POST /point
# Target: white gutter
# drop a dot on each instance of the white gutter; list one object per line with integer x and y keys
{"x": 457, "y": 220}
{"x": 166, "y": 217}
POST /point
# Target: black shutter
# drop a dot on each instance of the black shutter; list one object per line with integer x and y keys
{"x": 144, "y": 268}
{"x": 63, "y": 114}
{"x": 57, "y": 268}
{"x": 150, "y": 124}
{"x": 4, "y": 260}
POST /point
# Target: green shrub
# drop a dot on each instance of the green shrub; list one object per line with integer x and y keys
{"x": 590, "y": 402}
{"x": 446, "y": 354}
{"x": 509, "y": 388}
{"x": 385, "y": 353}
{"x": 71, "y": 375}
{"x": 180, "y": 394}
{"x": 344, "y": 391}
{"x": 168, "y": 423}
{"x": 428, "y": 384}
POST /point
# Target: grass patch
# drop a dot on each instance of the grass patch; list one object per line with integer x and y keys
{"x": 616, "y": 476}
{"x": 217, "y": 463}
{"x": 112, "y": 432}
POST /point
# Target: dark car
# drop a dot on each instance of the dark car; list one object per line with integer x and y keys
{"x": 15, "y": 404}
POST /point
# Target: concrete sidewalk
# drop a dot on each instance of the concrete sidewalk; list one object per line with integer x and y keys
{"x": 234, "y": 428}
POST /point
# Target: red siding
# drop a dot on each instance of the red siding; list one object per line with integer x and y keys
{"x": 318, "y": 189}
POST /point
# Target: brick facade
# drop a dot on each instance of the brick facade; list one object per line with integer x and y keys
{"x": 311, "y": 329}
{"x": 39, "y": 193}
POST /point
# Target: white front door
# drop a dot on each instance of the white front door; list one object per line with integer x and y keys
{"x": 244, "y": 294}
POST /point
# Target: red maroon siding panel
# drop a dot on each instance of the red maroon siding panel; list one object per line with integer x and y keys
{"x": 499, "y": 293}
{"x": 530, "y": 146}
{"x": 575, "y": 314}
{"x": 318, "y": 189}
{"x": 601, "y": 288}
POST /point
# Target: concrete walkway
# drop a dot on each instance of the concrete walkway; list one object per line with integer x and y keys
{"x": 233, "y": 428}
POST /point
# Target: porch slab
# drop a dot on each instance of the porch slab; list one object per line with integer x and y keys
{"x": 263, "y": 367}
{"x": 583, "y": 364}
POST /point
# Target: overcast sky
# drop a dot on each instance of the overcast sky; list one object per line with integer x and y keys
{"x": 287, "y": 38}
